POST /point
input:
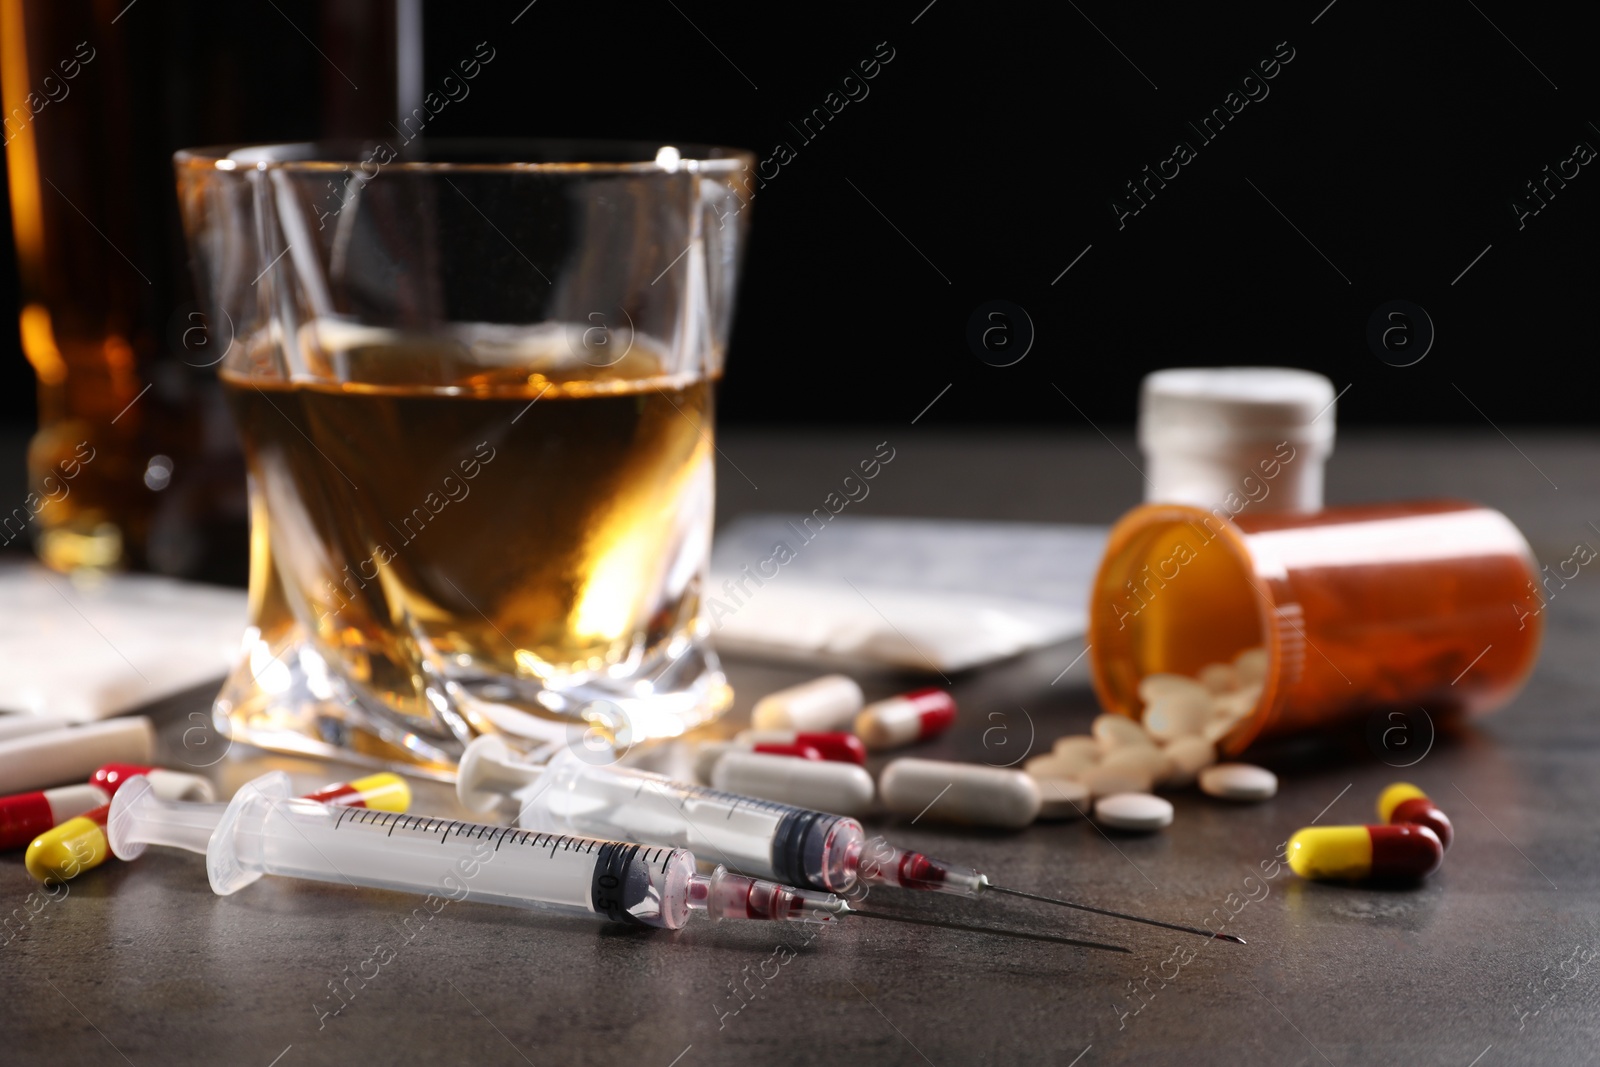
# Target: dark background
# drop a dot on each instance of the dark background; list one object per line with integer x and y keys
{"x": 990, "y": 149}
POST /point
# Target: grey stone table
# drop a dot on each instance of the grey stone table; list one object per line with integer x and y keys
{"x": 1490, "y": 962}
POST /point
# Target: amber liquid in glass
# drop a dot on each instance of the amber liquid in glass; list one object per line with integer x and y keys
{"x": 500, "y": 523}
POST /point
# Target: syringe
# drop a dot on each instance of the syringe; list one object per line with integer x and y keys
{"x": 265, "y": 830}
{"x": 760, "y": 837}
{"x": 791, "y": 845}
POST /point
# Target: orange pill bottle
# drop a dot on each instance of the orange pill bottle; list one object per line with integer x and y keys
{"x": 1430, "y": 604}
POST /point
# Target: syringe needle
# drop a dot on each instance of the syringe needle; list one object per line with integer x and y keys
{"x": 997, "y": 931}
{"x": 1197, "y": 931}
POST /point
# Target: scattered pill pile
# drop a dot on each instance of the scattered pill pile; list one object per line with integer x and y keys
{"x": 1173, "y": 746}
{"x": 801, "y": 752}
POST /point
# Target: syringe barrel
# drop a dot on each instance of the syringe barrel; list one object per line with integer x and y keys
{"x": 780, "y": 842}
{"x": 448, "y": 860}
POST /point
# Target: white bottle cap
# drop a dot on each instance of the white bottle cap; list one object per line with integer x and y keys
{"x": 1259, "y": 435}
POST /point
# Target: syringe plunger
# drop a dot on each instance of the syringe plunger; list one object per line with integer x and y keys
{"x": 139, "y": 819}
{"x": 490, "y": 772}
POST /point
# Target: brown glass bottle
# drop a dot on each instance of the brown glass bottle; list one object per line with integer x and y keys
{"x": 1423, "y": 604}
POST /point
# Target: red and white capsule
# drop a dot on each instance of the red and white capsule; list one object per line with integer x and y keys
{"x": 907, "y": 718}
{"x": 837, "y": 746}
{"x": 24, "y": 816}
{"x": 167, "y": 785}
{"x": 709, "y": 754}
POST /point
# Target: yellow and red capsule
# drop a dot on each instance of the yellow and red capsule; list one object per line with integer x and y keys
{"x": 79, "y": 844}
{"x": 1353, "y": 853}
{"x": 1403, "y": 802}
{"x": 380, "y": 792}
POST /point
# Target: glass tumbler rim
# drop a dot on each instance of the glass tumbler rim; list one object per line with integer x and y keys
{"x": 577, "y": 156}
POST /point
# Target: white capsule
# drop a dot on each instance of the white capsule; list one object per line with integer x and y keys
{"x": 1251, "y": 665}
{"x": 820, "y": 705}
{"x": 1104, "y": 781}
{"x": 825, "y": 785}
{"x": 1177, "y": 715}
{"x": 1186, "y": 758}
{"x": 766, "y": 737}
{"x": 1238, "y": 781}
{"x": 1061, "y": 798}
{"x": 1115, "y": 731}
{"x": 21, "y": 724}
{"x": 709, "y": 753}
{"x": 1139, "y": 812}
{"x": 1152, "y": 687}
{"x": 46, "y": 759}
{"x": 1218, "y": 677}
{"x": 967, "y": 793}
